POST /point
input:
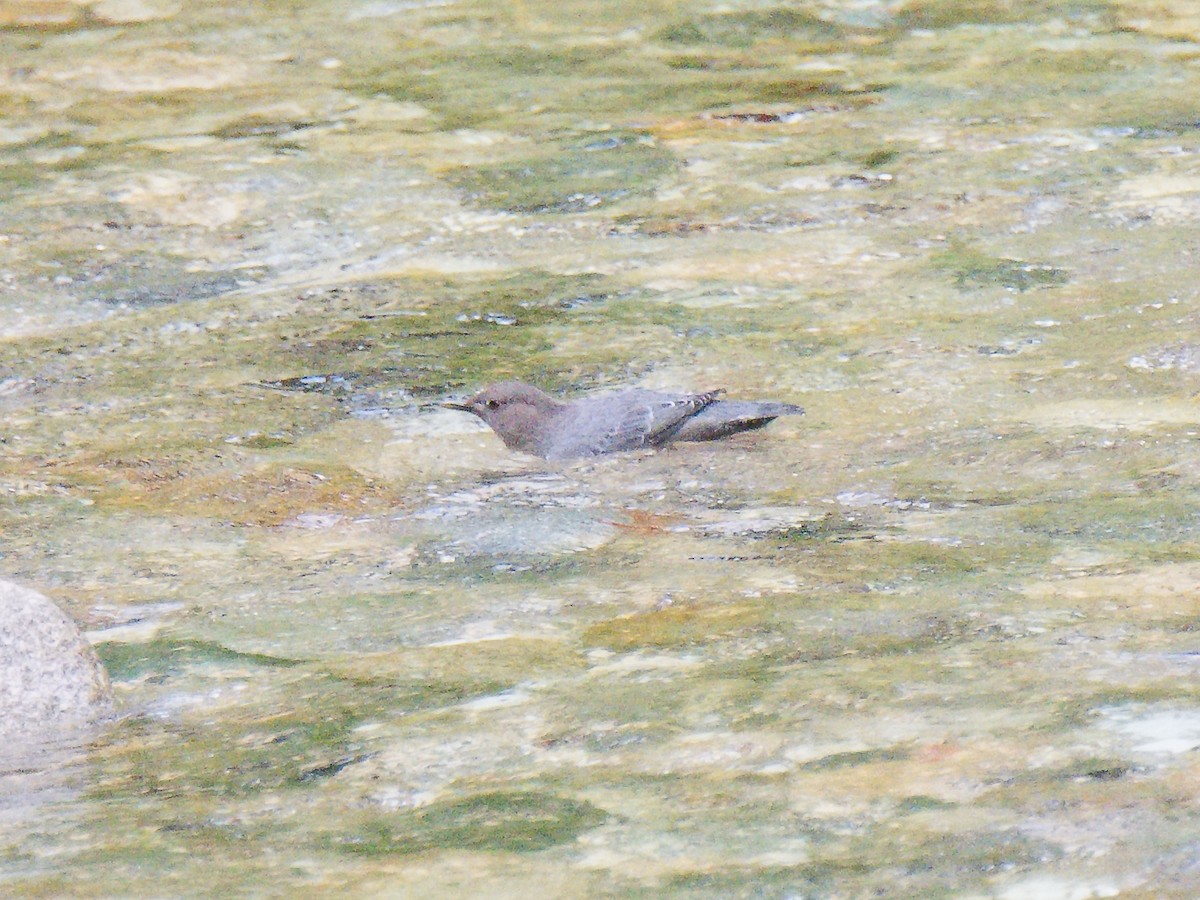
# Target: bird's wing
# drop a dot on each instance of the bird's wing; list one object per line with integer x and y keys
{"x": 728, "y": 417}
{"x": 651, "y": 419}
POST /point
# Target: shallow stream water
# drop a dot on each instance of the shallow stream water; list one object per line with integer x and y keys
{"x": 938, "y": 637}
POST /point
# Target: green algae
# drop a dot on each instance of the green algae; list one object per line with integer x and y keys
{"x": 274, "y": 743}
{"x": 671, "y": 627}
{"x": 922, "y": 863}
{"x": 162, "y": 657}
{"x": 501, "y": 821}
{"x": 856, "y": 758}
{"x": 974, "y": 270}
{"x": 746, "y": 29}
{"x": 919, "y": 803}
{"x": 280, "y": 749}
{"x": 585, "y": 173}
{"x": 950, "y": 13}
{"x": 1120, "y": 519}
{"x": 481, "y": 87}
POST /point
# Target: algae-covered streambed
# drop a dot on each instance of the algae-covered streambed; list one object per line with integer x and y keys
{"x": 936, "y": 638}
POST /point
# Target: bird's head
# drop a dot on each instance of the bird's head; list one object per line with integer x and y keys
{"x": 516, "y": 411}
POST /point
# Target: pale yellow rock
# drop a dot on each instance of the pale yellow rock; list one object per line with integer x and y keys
{"x": 120, "y": 12}
{"x": 1169, "y": 196}
{"x": 156, "y": 72}
{"x": 41, "y": 14}
{"x": 177, "y": 199}
{"x": 1133, "y": 414}
{"x": 1167, "y": 589}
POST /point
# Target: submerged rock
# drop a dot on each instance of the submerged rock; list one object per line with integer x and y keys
{"x": 51, "y": 683}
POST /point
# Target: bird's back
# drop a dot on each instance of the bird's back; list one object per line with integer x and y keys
{"x": 626, "y": 420}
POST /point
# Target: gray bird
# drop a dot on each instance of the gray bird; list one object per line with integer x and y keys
{"x": 530, "y": 420}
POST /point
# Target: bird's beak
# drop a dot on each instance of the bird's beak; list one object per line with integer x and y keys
{"x": 456, "y": 404}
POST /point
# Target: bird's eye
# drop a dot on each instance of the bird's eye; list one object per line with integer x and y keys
{"x": 492, "y": 404}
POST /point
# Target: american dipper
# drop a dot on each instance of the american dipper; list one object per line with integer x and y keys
{"x": 530, "y": 420}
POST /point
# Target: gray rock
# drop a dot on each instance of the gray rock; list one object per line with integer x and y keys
{"x": 51, "y": 683}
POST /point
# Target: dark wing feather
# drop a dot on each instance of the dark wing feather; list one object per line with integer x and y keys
{"x": 727, "y": 417}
